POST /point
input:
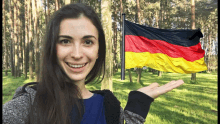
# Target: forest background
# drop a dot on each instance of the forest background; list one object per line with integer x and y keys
{"x": 24, "y": 24}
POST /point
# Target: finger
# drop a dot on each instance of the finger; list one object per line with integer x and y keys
{"x": 170, "y": 83}
{"x": 153, "y": 85}
{"x": 175, "y": 85}
{"x": 169, "y": 86}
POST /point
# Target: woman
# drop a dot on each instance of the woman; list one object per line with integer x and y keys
{"x": 74, "y": 55}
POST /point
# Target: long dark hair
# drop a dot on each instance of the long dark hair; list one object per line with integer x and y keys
{"x": 56, "y": 94}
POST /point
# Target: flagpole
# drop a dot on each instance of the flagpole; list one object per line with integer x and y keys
{"x": 123, "y": 49}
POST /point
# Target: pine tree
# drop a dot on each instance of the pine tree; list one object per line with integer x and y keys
{"x": 31, "y": 76}
{"x": 107, "y": 25}
{"x": 138, "y": 12}
{"x": 193, "y": 76}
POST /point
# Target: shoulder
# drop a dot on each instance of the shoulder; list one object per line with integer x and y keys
{"x": 108, "y": 96}
{"x": 16, "y": 110}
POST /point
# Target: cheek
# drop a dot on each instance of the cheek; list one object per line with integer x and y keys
{"x": 91, "y": 53}
{"x": 61, "y": 52}
{"x": 58, "y": 52}
{"x": 95, "y": 55}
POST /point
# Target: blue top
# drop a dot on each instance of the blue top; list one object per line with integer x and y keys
{"x": 94, "y": 110}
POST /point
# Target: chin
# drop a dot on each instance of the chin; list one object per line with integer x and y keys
{"x": 78, "y": 79}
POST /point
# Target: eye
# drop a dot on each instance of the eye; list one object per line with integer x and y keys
{"x": 88, "y": 42}
{"x": 64, "y": 41}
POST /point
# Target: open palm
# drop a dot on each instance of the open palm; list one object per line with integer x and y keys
{"x": 154, "y": 90}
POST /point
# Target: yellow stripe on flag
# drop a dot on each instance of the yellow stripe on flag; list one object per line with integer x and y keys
{"x": 163, "y": 62}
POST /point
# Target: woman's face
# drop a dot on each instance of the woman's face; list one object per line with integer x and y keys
{"x": 77, "y": 47}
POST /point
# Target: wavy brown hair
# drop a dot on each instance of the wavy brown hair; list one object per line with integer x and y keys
{"x": 56, "y": 94}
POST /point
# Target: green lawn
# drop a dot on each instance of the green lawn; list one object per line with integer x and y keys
{"x": 188, "y": 104}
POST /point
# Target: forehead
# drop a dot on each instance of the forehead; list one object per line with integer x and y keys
{"x": 78, "y": 27}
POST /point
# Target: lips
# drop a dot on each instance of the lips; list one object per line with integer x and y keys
{"x": 76, "y": 65}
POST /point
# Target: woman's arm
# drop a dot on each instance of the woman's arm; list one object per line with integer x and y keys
{"x": 153, "y": 90}
{"x": 139, "y": 101}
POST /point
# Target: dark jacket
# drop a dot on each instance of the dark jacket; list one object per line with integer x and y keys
{"x": 15, "y": 111}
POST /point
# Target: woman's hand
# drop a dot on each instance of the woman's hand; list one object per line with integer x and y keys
{"x": 153, "y": 90}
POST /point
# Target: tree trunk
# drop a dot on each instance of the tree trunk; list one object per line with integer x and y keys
{"x": 159, "y": 73}
{"x": 107, "y": 25}
{"x": 19, "y": 30}
{"x": 31, "y": 76}
{"x": 193, "y": 76}
{"x": 12, "y": 35}
{"x": 121, "y": 20}
{"x": 36, "y": 36}
{"x": 130, "y": 76}
{"x": 67, "y": 1}
{"x": 4, "y": 40}
{"x": 161, "y": 14}
{"x": 56, "y": 5}
{"x": 115, "y": 42}
{"x": 45, "y": 10}
{"x": 139, "y": 70}
{"x": 209, "y": 52}
{"x": 23, "y": 45}
{"x": 138, "y": 12}
{"x": 48, "y": 11}
{"x": 38, "y": 41}
{"x": 116, "y": 60}
{"x": 16, "y": 39}
{"x": 121, "y": 10}
{"x": 193, "y": 21}
{"x": 26, "y": 46}
{"x": 157, "y": 25}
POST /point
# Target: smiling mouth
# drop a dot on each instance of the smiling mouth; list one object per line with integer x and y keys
{"x": 76, "y": 66}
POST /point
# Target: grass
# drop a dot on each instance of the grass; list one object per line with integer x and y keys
{"x": 187, "y": 104}
{"x": 10, "y": 84}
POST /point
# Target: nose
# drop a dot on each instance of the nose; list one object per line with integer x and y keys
{"x": 76, "y": 52}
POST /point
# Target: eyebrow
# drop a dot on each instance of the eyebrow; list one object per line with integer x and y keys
{"x": 84, "y": 37}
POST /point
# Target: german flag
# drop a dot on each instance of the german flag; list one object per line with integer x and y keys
{"x": 167, "y": 50}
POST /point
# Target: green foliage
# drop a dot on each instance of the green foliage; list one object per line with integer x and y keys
{"x": 10, "y": 84}
{"x": 8, "y": 70}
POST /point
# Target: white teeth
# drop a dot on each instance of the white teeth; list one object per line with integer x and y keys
{"x": 76, "y": 66}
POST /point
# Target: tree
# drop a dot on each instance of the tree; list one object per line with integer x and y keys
{"x": 20, "y": 36}
{"x": 26, "y": 45}
{"x": 12, "y": 35}
{"x": 31, "y": 76}
{"x": 158, "y": 26}
{"x": 139, "y": 70}
{"x": 35, "y": 18}
{"x": 107, "y": 25}
{"x": 48, "y": 11}
{"x": 193, "y": 76}
{"x": 57, "y": 2}
{"x": 16, "y": 40}
{"x": 23, "y": 33}
{"x": 45, "y": 8}
{"x": 67, "y": 2}
{"x": 115, "y": 65}
{"x": 4, "y": 39}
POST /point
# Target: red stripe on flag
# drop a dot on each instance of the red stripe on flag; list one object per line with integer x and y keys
{"x": 143, "y": 44}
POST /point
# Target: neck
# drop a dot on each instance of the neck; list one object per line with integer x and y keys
{"x": 85, "y": 93}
